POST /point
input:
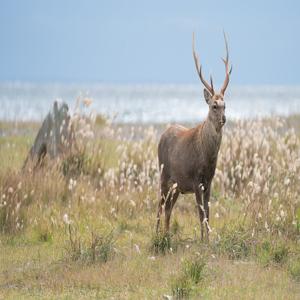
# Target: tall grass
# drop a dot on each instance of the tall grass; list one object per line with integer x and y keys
{"x": 114, "y": 173}
{"x": 97, "y": 206}
{"x": 259, "y": 167}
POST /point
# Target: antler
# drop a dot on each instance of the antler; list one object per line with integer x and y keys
{"x": 227, "y": 70}
{"x": 210, "y": 87}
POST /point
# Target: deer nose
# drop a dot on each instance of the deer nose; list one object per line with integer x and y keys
{"x": 223, "y": 119}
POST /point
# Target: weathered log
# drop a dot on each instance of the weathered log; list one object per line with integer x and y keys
{"x": 55, "y": 136}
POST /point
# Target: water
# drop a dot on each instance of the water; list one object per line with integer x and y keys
{"x": 146, "y": 103}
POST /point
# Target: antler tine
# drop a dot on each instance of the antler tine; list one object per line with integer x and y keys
{"x": 210, "y": 88}
{"x": 227, "y": 70}
{"x": 211, "y": 83}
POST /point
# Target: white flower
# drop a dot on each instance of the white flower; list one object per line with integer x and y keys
{"x": 132, "y": 203}
{"x": 66, "y": 219}
{"x": 72, "y": 184}
{"x": 19, "y": 185}
{"x": 266, "y": 226}
{"x": 137, "y": 248}
{"x": 152, "y": 258}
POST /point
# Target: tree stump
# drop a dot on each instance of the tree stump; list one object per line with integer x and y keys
{"x": 55, "y": 137}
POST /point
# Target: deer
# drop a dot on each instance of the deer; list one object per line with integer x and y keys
{"x": 188, "y": 157}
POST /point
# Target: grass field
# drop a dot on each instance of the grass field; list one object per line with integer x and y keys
{"x": 83, "y": 227}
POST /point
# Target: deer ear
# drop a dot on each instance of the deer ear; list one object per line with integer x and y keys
{"x": 207, "y": 96}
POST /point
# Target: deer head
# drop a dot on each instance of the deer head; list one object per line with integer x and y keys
{"x": 214, "y": 100}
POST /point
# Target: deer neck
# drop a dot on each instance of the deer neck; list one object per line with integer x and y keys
{"x": 209, "y": 139}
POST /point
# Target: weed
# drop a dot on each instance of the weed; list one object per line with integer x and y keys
{"x": 100, "y": 248}
{"x": 181, "y": 287}
{"x": 175, "y": 227}
{"x": 280, "y": 254}
{"x": 194, "y": 269}
{"x": 74, "y": 248}
{"x": 298, "y": 220}
{"x": 294, "y": 269}
{"x": 73, "y": 164}
{"x": 268, "y": 252}
{"x": 161, "y": 243}
{"x": 44, "y": 235}
{"x": 263, "y": 253}
{"x": 236, "y": 242}
{"x": 191, "y": 274}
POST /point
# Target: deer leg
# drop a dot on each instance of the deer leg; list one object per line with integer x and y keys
{"x": 170, "y": 202}
{"x": 159, "y": 211}
{"x": 206, "y": 209}
{"x": 200, "y": 206}
{"x": 164, "y": 194}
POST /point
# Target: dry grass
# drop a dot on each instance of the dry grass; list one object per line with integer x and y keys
{"x": 111, "y": 186}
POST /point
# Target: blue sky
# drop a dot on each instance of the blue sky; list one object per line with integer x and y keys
{"x": 148, "y": 41}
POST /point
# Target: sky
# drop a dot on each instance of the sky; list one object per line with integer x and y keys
{"x": 111, "y": 41}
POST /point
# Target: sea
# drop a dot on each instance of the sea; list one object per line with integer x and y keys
{"x": 149, "y": 103}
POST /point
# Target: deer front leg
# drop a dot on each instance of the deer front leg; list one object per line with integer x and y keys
{"x": 206, "y": 209}
{"x": 200, "y": 206}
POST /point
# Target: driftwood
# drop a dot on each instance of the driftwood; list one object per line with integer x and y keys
{"x": 55, "y": 137}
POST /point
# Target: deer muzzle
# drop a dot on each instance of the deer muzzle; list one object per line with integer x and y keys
{"x": 223, "y": 120}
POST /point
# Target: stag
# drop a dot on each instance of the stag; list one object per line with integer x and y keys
{"x": 188, "y": 157}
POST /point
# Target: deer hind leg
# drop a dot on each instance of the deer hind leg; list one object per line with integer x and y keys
{"x": 162, "y": 200}
{"x": 170, "y": 202}
{"x": 159, "y": 211}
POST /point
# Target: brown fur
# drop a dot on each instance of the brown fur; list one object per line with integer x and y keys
{"x": 188, "y": 157}
{"x": 187, "y": 160}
